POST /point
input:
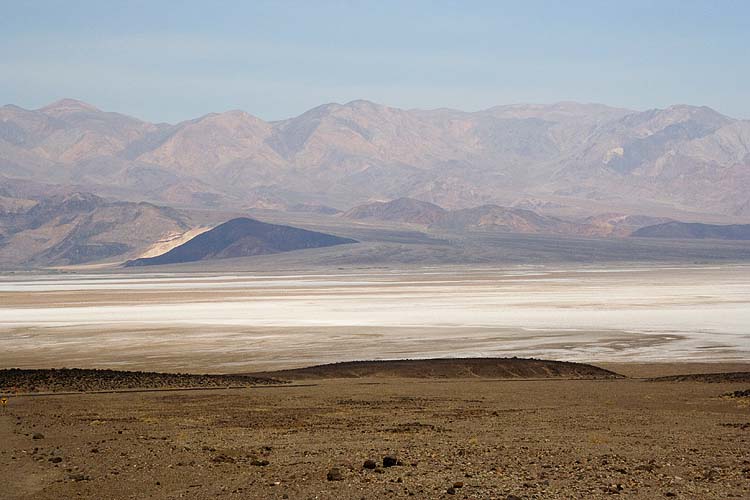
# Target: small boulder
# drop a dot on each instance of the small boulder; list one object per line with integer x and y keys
{"x": 335, "y": 474}
{"x": 369, "y": 464}
{"x": 389, "y": 461}
{"x": 37, "y": 435}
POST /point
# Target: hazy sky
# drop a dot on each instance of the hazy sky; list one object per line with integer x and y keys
{"x": 169, "y": 61}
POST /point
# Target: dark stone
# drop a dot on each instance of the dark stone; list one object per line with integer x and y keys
{"x": 259, "y": 463}
{"x": 451, "y": 491}
{"x": 369, "y": 464}
{"x": 37, "y": 435}
{"x": 458, "y": 484}
{"x": 389, "y": 461}
{"x": 335, "y": 474}
{"x": 55, "y": 460}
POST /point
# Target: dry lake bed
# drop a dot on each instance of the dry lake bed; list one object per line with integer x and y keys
{"x": 223, "y": 323}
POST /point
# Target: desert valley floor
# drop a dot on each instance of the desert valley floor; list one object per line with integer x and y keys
{"x": 388, "y": 433}
{"x": 226, "y": 322}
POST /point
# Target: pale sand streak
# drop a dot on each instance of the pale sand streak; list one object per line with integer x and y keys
{"x": 243, "y": 322}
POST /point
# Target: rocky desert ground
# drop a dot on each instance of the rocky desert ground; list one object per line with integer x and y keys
{"x": 386, "y": 436}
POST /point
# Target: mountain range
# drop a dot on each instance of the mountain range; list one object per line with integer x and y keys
{"x": 497, "y": 218}
{"x": 559, "y": 159}
{"x": 81, "y": 185}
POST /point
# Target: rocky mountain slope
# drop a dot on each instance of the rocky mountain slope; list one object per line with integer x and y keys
{"x": 81, "y": 227}
{"x": 586, "y": 157}
{"x": 243, "y": 237}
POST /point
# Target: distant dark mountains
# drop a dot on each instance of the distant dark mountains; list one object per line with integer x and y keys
{"x": 243, "y": 237}
{"x": 687, "y": 230}
{"x": 496, "y": 218}
{"x": 589, "y": 157}
{"x": 401, "y": 210}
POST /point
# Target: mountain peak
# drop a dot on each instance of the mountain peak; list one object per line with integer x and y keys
{"x": 362, "y": 103}
{"x": 68, "y": 105}
{"x": 687, "y": 111}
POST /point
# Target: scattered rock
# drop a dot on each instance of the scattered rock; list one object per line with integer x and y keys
{"x": 55, "y": 460}
{"x": 335, "y": 474}
{"x": 259, "y": 463}
{"x": 78, "y": 477}
{"x": 451, "y": 491}
{"x": 614, "y": 489}
{"x": 458, "y": 484}
{"x": 223, "y": 459}
{"x": 37, "y": 435}
{"x": 738, "y": 394}
{"x": 369, "y": 464}
{"x": 390, "y": 461}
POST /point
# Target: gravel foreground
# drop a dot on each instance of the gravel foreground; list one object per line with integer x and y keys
{"x": 384, "y": 437}
{"x": 80, "y": 380}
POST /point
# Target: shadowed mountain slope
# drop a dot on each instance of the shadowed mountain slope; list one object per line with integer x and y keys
{"x": 243, "y": 237}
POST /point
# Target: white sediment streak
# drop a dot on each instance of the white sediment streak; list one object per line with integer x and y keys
{"x": 588, "y": 314}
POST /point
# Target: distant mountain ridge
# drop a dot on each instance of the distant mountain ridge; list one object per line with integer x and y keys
{"x": 243, "y": 237}
{"x": 399, "y": 210}
{"x": 587, "y": 156}
{"x": 692, "y": 230}
{"x": 496, "y": 218}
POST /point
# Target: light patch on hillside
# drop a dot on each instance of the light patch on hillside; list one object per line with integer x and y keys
{"x": 612, "y": 153}
{"x": 171, "y": 241}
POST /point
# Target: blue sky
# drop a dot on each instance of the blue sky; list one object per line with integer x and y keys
{"x": 170, "y": 61}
